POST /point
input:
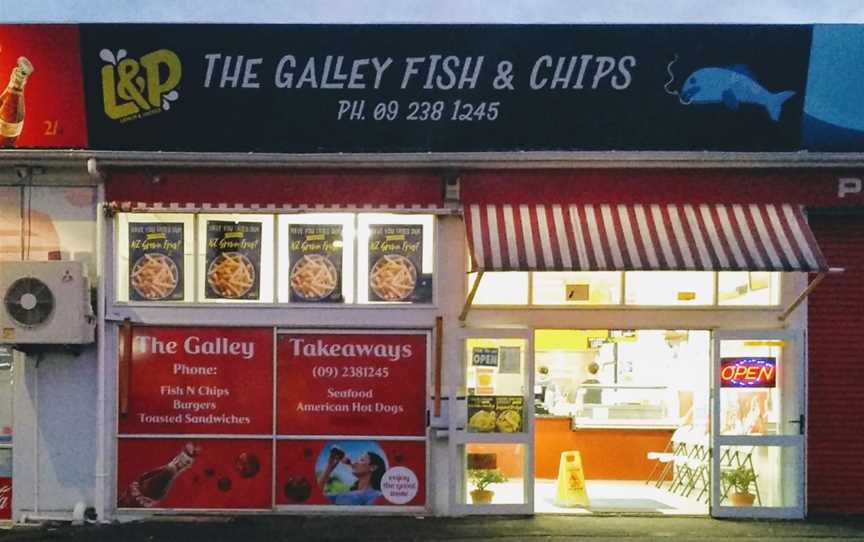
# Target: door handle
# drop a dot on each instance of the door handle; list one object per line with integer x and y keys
{"x": 800, "y": 422}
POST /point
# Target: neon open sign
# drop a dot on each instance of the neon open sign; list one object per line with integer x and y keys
{"x": 748, "y": 372}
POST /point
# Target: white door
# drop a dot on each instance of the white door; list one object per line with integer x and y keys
{"x": 757, "y": 424}
{"x": 492, "y": 433}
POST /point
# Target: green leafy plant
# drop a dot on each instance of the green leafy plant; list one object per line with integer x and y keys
{"x": 482, "y": 478}
{"x": 739, "y": 478}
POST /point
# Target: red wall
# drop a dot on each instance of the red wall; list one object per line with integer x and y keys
{"x": 835, "y": 473}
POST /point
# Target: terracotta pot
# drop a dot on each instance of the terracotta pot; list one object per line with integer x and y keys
{"x": 742, "y": 499}
{"x": 481, "y": 496}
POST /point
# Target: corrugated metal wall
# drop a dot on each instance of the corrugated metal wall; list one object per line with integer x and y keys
{"x": 835, "y": 473}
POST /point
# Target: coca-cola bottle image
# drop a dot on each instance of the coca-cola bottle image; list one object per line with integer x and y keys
{"x": 12, "y": 104}
{"x": 152, "y": 486}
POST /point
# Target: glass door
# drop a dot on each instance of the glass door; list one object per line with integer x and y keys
{"x": 491, "y": 452}
{"x": 758, "y": 424}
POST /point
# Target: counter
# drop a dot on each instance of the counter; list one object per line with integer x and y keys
{"x": 608, "y": 452}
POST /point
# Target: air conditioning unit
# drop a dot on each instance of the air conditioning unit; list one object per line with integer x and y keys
{"x": 45, "y": 303}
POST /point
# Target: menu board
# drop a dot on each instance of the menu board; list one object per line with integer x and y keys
{"x": 495, "y": 414}
{"x": 156, "y": 261}
{"x": 315, "y": 253}
{"x": 351, "y": 384}
{"x": 396, "y": 263}
{"x": 350, "y": 472}
{"x": 200, "y": 380}
{"x": 194, "y": 473}
{"x": 233, "y": 260}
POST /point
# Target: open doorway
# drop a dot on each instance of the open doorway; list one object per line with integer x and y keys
{"x": 621, "y": 421}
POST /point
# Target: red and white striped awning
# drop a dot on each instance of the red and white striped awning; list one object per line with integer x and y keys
{"x": 655, "y": 237}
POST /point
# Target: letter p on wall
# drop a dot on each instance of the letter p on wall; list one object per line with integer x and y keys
{"x": 849, "y": 185}
{"x": 155, "y": 86}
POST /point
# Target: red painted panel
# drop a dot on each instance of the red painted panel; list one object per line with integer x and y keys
{"x": 194, "y": 473}
{"x": 53, "y": 95}
{"x": 350, "y": 472}
{"x": 263, "y": 187}
{"x": 835, "y": 471}
{"x": 193, "y": 380}
{"x": 5, "y": 497}
{"x": 809, "y": 188}
{"x": 351, "y": 384}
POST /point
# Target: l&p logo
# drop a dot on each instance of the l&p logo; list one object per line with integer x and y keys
{"x": 137, "y": 88}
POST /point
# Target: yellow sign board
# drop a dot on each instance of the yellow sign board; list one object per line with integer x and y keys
{"x": 577, "y": 292}
{"x": 774, "y": 343}
{"x": 571, "y": 489}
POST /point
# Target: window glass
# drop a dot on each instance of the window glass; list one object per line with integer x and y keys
{"x": 5, "y": 394}
{"x": 760, "y": 476}
{"x": 495, "y": 380}
{"x": 155, "y": 257}
{"x": 235, "y": 258}
{"x": 501, "y": 288}
{"x": 748, "y": 288}
{"x": 567, "y": 288}
{"x": 660, "y": 288}
{"x": 749, "y": 387}
{"x": 681, "y": 288}
{"x": 395, "y": 258}
{"x": 316, "y": 258}
{"x": 622, "y": 376}
{"x": 495, "y": 473}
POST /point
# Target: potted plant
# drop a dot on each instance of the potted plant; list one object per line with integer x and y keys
{"x": 481, "y": 479}
{"x": 737, "y": 482}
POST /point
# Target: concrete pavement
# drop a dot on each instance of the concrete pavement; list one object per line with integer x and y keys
{"x": 467, "y": 529}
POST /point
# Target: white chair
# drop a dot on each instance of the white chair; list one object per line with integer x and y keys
{"x": 666, "y": 458}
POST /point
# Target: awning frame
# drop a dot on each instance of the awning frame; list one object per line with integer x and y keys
{"x": 469, "y": 301}
{"x": 806, "y": 292}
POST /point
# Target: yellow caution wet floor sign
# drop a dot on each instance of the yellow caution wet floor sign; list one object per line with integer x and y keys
{"x": 571, "y": 481}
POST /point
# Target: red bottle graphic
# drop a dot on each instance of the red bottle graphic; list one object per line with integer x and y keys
{"x": 12, "y": 104}
{"x": 153, "y": 486}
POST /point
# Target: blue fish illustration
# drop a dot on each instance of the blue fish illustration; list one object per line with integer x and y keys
{"x": 732, "y": 86}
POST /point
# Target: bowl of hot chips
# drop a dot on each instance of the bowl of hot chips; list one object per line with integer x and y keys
{"x": 231, "y": 275}
{"x": 393, "y": 277}
{"x": 154, "y": 276}
{"x": 313, "y": 277}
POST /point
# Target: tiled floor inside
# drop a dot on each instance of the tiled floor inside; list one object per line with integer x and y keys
{"x": 605, "y": 496}
{"x": 618, "y": 496}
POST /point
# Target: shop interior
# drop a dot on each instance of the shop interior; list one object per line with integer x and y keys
{"x": 617, "y": 397}
{"x": 622, "y": 419}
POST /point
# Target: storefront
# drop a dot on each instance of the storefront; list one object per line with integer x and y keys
{"x": 624, "y": 359}
{"x": 420, "y": 285}
{"x": 318, "y": 371}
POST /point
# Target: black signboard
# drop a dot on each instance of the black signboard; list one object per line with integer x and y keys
{"x": 156, "y": 261}
{"x": 315, "y": 253}
{"x": 396, "y": 264}
{"x": 444, "y": 88}
{"x": 484, "y": 357}
{"x": 233, "y": 262}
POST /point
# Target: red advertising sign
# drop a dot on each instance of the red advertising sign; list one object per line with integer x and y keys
{"x": 43, "y": 101}
{"x": 194, "y": 473}
{"x": 748, "y": 372}
{"x": 193, "y": 380}
{"x": 5, "y": 497}
{"x": 351, "y": 384}
{"x": 351, "y": 472}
